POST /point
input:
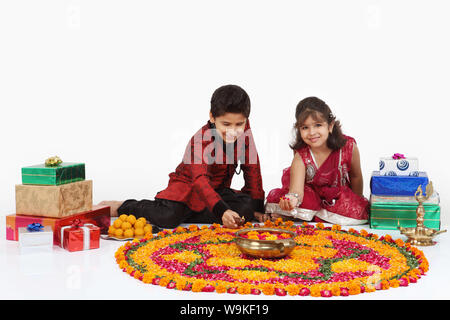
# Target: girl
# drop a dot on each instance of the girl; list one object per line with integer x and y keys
{"x": 324, "y": 181}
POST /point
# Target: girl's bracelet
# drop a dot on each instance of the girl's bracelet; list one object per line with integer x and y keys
{"x": 295, "y": 195}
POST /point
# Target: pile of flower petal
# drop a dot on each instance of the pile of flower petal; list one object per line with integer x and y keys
{"x": 265, "y": 235}
{"x": 326, "y": 262}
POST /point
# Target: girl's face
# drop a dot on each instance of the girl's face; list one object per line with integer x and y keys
{"x": 314, "y": 132}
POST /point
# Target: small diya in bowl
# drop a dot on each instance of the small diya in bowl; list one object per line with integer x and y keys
{"x": 265, "y": 242}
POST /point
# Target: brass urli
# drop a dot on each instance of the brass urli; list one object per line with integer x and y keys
{"x": 265, "y": 248}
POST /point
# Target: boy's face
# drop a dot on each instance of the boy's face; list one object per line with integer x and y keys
{"x": 230, "y": 125}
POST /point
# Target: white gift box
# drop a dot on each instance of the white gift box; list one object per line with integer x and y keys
{"x": 434, "y": 199}
{"x": 35, "y": 241}
{"x": 399, "y": 167}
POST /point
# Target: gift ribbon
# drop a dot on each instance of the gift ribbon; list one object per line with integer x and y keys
{"x": 76, "y": 224}
{"x": 53, "y": 161}
{"x": 398, "y": 156}
{"x": 86, "y": 232}
{"x": 35, "y": 227}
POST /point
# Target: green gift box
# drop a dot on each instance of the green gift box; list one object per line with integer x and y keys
{"x": 66, "y": 172}
{"x": 391, "y": 215}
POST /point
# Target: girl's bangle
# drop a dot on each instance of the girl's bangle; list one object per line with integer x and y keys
{"x": 295, "y": 195}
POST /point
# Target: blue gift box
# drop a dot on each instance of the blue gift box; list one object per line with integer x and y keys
{"x": 397, "y": 185}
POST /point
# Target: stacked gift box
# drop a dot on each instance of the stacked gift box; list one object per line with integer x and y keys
{"x": 56, "y": 198}
{"x": 392, "y": 199}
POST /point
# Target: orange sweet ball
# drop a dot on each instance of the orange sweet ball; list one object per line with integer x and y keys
{"x": 143, "y": 220}
{"x": 148, "y": 228}
{"x": 131, "y": 219}
{"x": 117, "y": 223}
{"x": 139, "y": 232}
{"x": 111, "y": 230}
{"x": 139, "y": 224}
{"x": 123, "y": 217}
{"x": 128, "y": 233}
{"x": 118, "y": 233}
{"x": 126, "y": 225}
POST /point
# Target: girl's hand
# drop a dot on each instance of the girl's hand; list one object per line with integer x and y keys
{"x": 288, "y": 203}
{"x": 228, "y": 219}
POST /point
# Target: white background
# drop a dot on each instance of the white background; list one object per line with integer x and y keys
{"x": 123, "y": 85}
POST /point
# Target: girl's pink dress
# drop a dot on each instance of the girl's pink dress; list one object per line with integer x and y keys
{"x": 327, "y": 194}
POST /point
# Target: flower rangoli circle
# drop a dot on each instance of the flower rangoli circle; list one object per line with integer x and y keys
{"x": 327, "y": 261}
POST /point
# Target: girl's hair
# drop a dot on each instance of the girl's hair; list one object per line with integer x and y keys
{"x": 319, "y": 111}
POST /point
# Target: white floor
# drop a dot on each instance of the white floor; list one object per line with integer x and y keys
{"x": 94, "y": 274}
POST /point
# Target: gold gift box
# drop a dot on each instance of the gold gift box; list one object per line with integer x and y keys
{"x": 54, "y": 201}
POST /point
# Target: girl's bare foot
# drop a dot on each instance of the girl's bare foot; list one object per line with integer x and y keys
{"x": 113, "y": 204}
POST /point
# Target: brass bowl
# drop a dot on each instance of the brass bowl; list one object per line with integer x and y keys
{"x": 265, "y": 248}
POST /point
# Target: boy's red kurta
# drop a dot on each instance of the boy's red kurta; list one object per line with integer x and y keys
{"x": 206, "y": 167}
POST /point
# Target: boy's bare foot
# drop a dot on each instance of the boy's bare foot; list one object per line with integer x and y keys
{"x": 275, "y": 216}
{"x": 262, "y": 217}
{"x": 114, "y": 206}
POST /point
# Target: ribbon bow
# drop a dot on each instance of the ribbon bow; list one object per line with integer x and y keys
{"x": 53, "y": 161}
{"x": 35, "y": 227}
{"x": 77, "y": 223}
{"x": 397, "y": 156}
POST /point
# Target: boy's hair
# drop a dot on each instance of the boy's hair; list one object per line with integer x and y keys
{"x": 230, "y": 98}
{"x": 319, "y": 111}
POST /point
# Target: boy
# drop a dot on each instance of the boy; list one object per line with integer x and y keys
{"x": 199, "y": 189}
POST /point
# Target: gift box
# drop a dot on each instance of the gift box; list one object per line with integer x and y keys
{"x": 80, "y": 236}
{"x": 391, "y": 215}
{"x": 66, "y": 172}
{"x": 54, "y": 201}
{"x": 397, "y": 185}
{"x": 35, "y": 238}
{"x": 399, "y": 167}
{"x": 434, "y": 199}
{"x": 99, "y": 216}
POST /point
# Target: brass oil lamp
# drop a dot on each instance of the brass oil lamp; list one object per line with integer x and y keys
{"x": 421, "y": 235}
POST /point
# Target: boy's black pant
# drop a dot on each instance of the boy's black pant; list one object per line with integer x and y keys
{"x": 170, "y": 214}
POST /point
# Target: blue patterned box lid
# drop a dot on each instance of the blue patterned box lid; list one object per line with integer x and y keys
{"x": 397, "y": 185}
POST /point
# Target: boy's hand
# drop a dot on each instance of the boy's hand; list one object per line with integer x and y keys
{"x": 229, "y": 219}
{"x": 114, "y": 206}
{"x": 287, "y": 203}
